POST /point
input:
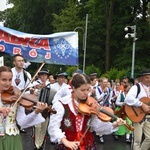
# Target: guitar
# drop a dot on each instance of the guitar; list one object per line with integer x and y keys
{"x": 136, "y": 114}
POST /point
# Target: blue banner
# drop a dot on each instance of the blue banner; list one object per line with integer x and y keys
{"x": 58, "y": 48}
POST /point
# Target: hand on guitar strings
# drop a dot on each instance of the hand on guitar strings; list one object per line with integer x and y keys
{"x": 145, "y": 108}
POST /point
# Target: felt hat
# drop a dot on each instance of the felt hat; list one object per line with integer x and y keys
{"x": 144, "y": 72}
{"x": 62, "y": 74}
{"x": 44, "y": 71}
{"x": 93, "y": 74}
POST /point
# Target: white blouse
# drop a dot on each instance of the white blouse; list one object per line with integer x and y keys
{"x": 55, "y": 131}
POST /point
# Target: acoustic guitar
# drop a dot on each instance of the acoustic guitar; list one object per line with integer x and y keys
{"x": 136, "y": 114}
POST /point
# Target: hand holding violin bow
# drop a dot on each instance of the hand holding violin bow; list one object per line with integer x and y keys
{"x": 73, "y": 145}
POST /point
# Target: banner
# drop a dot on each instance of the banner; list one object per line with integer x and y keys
{"x": 58, "y": 48}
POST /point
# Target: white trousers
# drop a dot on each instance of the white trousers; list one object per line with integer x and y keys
{"x": 139, "y": 130}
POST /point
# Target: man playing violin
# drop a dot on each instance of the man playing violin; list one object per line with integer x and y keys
{"x": 12, "y": 114}
{"x": 134, "y": 98}
{"x": 68, "y": 128}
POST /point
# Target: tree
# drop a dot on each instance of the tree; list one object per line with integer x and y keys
{"x": 106, "y": 46}
{"x": 37, "y": 18}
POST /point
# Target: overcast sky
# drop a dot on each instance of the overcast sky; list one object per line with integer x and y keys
{"x": 3, "y": 6}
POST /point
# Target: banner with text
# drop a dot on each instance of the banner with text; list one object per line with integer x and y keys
{"x": 58, "y": 48}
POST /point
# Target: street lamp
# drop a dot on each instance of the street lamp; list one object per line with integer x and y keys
{"x": 84, "y": 40}
{"x": 132, "y": 35}
{"x": 83, "y": 35}
{"x": 83, "y": 47}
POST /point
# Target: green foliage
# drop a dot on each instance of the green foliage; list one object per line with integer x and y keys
{"x": 70, "y": 70}
{"x": 114, "y": 73}
{"x": 68, "y": 19}
{"x": 92, "y": 69}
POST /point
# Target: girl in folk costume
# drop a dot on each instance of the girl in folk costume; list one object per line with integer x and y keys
{"x": 120, "y": 112}
{"x": 116, "y": 92}
{"x": 67, "y": 127}
{"x": 13, "y": 113}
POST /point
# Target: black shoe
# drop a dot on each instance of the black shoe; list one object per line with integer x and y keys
{"x": 23, "y": 131}
{"x": 116, "y": 137}
{"x": 101, "y": 139}
{"x": 128, "y": 141}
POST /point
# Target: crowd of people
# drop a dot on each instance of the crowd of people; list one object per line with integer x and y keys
{"x": 67, "y": 111}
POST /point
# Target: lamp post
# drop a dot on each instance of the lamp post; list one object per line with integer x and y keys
{"x": 133, "y": 35}
{"x": 84, "y": 40}
{"x": 83, "y": 47}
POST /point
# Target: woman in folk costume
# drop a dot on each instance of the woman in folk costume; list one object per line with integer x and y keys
{"x": 67, "y": 127}
{"x": 116, "y": 92}
{"x": 12, "y": 114}
{"x": 120, "y": 102}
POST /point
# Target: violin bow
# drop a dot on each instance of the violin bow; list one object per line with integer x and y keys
{"x": 87, "y": 128}
{"x": 29, "y": 83}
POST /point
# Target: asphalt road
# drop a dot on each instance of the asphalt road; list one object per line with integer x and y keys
{"x": 109, "y": 142}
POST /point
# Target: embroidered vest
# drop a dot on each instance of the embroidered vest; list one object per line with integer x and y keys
{"x": 68, "y": 125}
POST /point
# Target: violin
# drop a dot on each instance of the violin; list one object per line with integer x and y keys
{"x": 91, "y": 107}
{"x": 27, "y": 100}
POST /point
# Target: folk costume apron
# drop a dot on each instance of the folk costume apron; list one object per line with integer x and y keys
{"x": 11, "y": 140}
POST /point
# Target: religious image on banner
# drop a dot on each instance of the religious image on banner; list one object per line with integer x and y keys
{"x": 58, "y": 48}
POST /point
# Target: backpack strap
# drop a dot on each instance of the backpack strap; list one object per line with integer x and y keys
{"x": 138, "y": 89}
{"x": 25, "y": 75}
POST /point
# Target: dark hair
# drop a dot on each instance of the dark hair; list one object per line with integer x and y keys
{"x": 14, "y": 57}
{"x": 126, "y": 85}
{"x": 80, "y": 79}
{"x": 5, "y": 68}
{"x": 92, "y": 78}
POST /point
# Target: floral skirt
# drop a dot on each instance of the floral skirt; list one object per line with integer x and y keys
{"x": 11, "y": 142}
{"x": 88, "y": 147}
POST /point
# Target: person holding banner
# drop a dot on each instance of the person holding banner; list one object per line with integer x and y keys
{"x": 21, "y": 78}
{"x": 13, "y": 113}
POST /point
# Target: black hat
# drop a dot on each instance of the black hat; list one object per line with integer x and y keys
{"x": 144, "y": 72}
{"x": 93, "y": 74}
{"x": 62, "y": 74}
{"x": 44, "y": 71}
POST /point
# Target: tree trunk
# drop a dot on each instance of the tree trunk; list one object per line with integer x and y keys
{"x": 108, "y": 18}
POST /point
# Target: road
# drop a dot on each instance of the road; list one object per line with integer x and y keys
{"x": 109, "y": 144}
